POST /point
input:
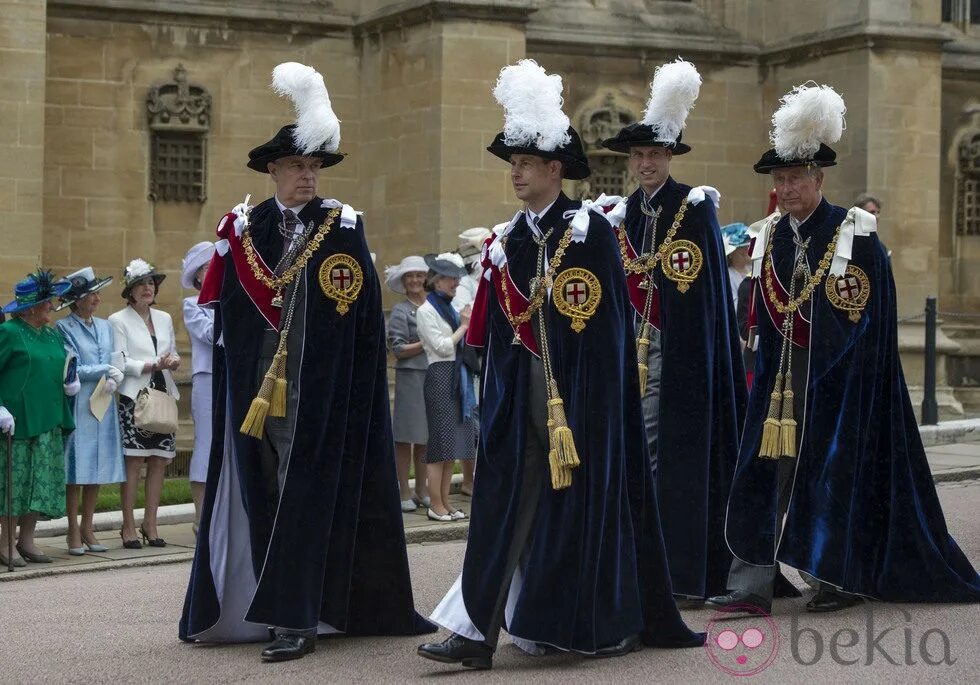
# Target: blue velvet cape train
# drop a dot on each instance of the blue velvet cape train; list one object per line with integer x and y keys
{"x": 864, "y": 515}
{"x": 333, "y": 550}
{"x": 596, "y": 570}
{"x": 702, "y": 396}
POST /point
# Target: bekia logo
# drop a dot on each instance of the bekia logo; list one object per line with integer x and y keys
{"x": 741, "y": 647}
{"x": 744, "y": 641}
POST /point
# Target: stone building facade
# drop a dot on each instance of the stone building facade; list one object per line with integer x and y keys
{"x": 94, "y": 170}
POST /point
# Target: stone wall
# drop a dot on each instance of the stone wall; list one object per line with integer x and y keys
{"x": 22, "y": 138}
{"x": 96, "y": 209}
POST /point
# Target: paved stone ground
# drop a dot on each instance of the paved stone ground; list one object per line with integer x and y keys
{"x": 121, "y": 627}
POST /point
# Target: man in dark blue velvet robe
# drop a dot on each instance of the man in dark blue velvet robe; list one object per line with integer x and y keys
{"x": 562, "y": 553}
{"x": 694, "y": 404}
{"x": 831, "y": 441}
{"x": 301, "y": 532}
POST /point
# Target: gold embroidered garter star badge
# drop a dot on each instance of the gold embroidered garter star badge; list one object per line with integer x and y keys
{"x": 683, "y": 263}
{"x": 849, "y": 292}
{"x": 576, "y": 295}
{"x": 341, "y": 279}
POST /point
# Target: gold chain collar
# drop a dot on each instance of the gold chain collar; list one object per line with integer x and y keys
{"x": 794, "y": 303}
{"x": 279, "y": 283}
{"x": 538, "y": 295}
{"x": 647, "y": 262}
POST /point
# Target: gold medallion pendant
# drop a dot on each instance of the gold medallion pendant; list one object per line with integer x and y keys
{"x": 683, "y": 263}
{"x": 576, "y": 294}
{"x": 341, "y": 279}
{"x": 849, "y": 292}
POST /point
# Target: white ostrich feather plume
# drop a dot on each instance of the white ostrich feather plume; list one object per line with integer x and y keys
{"x": 674, "y": 90}
{"x": 316, "y": 123}
{"x": 809, "y": 115}
{"x": 532, "y": 101}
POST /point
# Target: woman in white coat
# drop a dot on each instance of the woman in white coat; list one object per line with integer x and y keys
{"x": 450, "y": 399}
{"x": 199, "y": 322}
{"x": 145, "y": 336}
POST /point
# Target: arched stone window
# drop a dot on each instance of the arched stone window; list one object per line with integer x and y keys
{"x": 610, "y": 174}
{"x": 968, "y": 182}
{"x": 179, "y": 116}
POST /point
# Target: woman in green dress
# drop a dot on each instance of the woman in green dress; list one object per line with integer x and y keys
{"x": 34, "y": 409}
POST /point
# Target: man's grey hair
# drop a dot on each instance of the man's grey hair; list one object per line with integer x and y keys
{"x": 865, "y": 198}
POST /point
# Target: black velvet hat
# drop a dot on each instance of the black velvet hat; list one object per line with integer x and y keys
{"x": 283, "y": 145}
{"x": 640, "y": 135}
{"x": 824, "y": 156}
{"x": 571, "y": 155}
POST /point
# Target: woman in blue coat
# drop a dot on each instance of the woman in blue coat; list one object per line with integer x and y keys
{"x": 93, "y": 453}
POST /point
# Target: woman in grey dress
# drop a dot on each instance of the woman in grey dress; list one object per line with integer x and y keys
{"x": 408, "y": 419}
{"x": 450, "y": 397}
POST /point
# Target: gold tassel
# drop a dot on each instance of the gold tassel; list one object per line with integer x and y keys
{"x": 254, "y": 423}
{"x": 642, "y": 349}
{"x": 278, "y": 405}
{"x": 562, "y": 439}
{"x": 769, "y": 449}
{"x": 561, "y": 476}
{"x": 787, "y": 426}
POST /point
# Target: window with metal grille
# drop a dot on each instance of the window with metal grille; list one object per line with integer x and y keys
{"x": 968, "y": 187}
{"x": 178, "y": 164}
{"x": 179, "y": 117}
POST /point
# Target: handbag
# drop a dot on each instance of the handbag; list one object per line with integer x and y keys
{"x": 155, "y": 412}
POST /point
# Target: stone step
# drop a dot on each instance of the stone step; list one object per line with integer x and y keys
{"x": 969, "y": 397}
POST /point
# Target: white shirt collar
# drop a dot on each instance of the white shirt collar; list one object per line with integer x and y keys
{"x": 296, "y": 210}
{"x": 795, "y": 223}
{"x": 649, "y": 198}
{"x": 540, "y": 215}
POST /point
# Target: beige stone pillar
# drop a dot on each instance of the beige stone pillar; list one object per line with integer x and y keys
{"x": 22, "y": 67}
{"x": 904, "y": 167}
{"x": 427, "y": 116}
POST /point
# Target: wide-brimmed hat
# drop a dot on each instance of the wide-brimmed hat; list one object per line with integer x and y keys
{"x": 83, "y": 282}
{"x": 447, "y": 264}
{"x": 642, "y": 135}
{"x": 735, "y": 236}
{"x": 534, "y": 123}
{"x": 393, "y": 274}
{"x": 316, "y": 132}
{"x": 38, "y": 287}
{"x": 471, "y": 243}
{"x": 283, "y": 145}
{"x": 770, "y": 160}
{"x": 673, "y": 92}
{"x": 136, "y": 271}
{"x": 809, "y": 119}
{"x": 575, "y": 163}
{"x": 196, "y": 257}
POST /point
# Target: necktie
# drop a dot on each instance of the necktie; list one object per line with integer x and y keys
{"x": 292, "y": 228}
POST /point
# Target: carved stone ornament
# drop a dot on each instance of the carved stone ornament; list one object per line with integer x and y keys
{"x": 179, "y": 105}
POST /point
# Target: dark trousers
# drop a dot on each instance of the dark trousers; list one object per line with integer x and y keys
{"x": 534, "y": 478}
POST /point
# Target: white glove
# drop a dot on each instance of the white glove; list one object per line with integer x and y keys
{"x": 71, "y": 389}
{"x": 6, "y": 421}
{"x": 114, "y": 375}
{"x": 110, "y": 385}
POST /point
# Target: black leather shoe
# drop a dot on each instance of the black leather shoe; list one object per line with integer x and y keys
{"x": 740, "y": 601}
{"x": 627, "y": 645}
{"x": 287, "y": 647}
{"x": 688, "y": 603}
{"x": 826, "y": 600}
{"x": 782, "y": 588}
{"x": 457, "y": 649}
